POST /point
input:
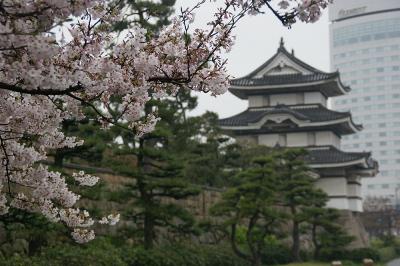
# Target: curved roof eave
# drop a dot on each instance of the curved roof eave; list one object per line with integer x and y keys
{"x": 362, "y": 162}
{"x": 256, "y": 126}
{"x": 242, "y": 91}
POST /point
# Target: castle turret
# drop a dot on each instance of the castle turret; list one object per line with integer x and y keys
{"x": 287, "y": 106}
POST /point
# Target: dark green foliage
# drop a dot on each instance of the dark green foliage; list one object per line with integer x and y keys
{"x": 272, "y": 196}
{"x": 28, "y": 233}
{"x": 152, "y": 15}
{"x": 215, "y": 161}
{"x": 191, "y": 255}
{"x": 329, "y": 238}
{"x": 326, "y": 232}
{"x": 95, "y": 192}
{"x": 357, "y": 255}
{"x": 276, "y": 254}
{"x": 251, "y": 204}
{"x": 305, "y": 203}
{"x": 98, "y": 252}
{"x": 159, "y": 182}
{"x": 333, "y": 242}
{"x": 204, "y": 164}
{"x": 103, "y": 251}
{"x": 95, "y": 140}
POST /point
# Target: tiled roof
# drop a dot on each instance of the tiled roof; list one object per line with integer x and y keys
{"x": 313, "y": 80}
{"x": 283, "y": 50}
{"x": 311, "y": 112}
{"x": 283, "y": 79}
{"x": 332, "y": 155}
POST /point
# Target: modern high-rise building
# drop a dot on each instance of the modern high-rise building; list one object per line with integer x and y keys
{"x": 365, "y": 48}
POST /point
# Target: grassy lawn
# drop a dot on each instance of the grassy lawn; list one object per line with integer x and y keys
{"x": 326, "y": 264}
{"x": 309, "y": 264}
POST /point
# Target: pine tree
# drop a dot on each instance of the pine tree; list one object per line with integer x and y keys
{"x": 149, "y": 15}
{"x": 297, "y": 192}
{"x": 326, "y": 232}
{"x": 96, "y": 141}
{"x": 252, "y": 204}
{"x": 159, "y": 181}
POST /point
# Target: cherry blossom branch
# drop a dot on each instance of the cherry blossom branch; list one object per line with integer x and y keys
{"x": 39, "y": 91}
{"x": 6, "y": 163}
{"x": 43, "y": 82}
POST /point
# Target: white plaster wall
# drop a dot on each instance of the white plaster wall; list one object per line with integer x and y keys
{"x": 355, "y": 205}
{"x": 300, "y": 139}
{"x": 327, "y": 138}
{"x": 268, "y": 139}
{"x": 255, "y": 101}
{"x": 314, "y": 97}
{"x": 354, "y": 190}
{"x": 297, "y": 139}
{"x": 333, "y": 186}
{"x": 338, "y": 203}
{"x": 288, "y": 99}
{"x": 247, "y": 139}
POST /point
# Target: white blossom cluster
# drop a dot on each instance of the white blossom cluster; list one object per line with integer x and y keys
{"x": 305, "y": 10}
{"x": 44, "y": 81}
{"x": 85, "y": 179}
{"x": 111, "y": 219}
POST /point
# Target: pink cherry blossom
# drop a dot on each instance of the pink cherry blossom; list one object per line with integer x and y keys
{"x": 44, "y": 80}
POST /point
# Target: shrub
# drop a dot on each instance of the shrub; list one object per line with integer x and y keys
{"x": 377, "y": 243}
{"x": 18, "y": 260}
{"x": 276, "y": 254}
{"x": 102, "y": 251}
{"x": 330, "y": 254}
{"x": 179, "y": 255}
{"x": 387, "y": 253}
{"x": 357, "y": 255}
{"x": 98, "y": 252}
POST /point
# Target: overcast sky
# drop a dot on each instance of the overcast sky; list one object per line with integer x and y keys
{"x": 257, "y": 39}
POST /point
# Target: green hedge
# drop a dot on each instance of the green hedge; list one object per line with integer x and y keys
{"x": 103, "y": 252}
{"x": 356, "y": 255}
{"x": 276, "y": 254}
{"x": 185, "y": 256}
{"x": 387, "y": 254}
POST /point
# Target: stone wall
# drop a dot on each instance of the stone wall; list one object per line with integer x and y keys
{"x": 198, "y": 205}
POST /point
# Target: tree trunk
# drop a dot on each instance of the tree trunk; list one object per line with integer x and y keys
{"x": 148, "y": 220}
{"x": 58, "y": 158}
{"x": 256, "y": 261}
{"x": 317, "y": 247}
{"x": 148, "y": 231}
{"x": 296, "y": 241}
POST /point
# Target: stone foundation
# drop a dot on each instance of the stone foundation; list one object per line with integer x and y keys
{"x": 353, "y": 225}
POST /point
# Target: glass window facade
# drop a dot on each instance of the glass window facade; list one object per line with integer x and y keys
{"x": 366, "y": 51}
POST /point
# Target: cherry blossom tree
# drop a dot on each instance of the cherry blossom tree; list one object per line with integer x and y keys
{"x": 45, "y": 79}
